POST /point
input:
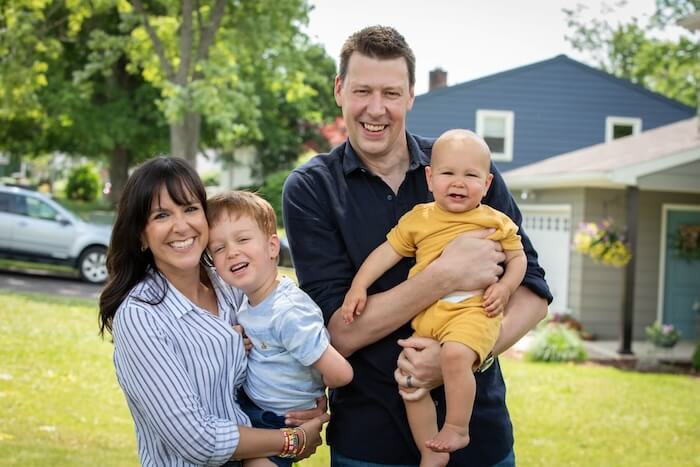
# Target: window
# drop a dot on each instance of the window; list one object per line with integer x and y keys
{"x": 619, "y": 127}
{"x": 5, "y": 202}
{"x": 496, "y": 127}
{"x": 40, "y": 210}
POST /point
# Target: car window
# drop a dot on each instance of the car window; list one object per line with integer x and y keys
{"x": 5, "y": 202}
{"x": 40, "y": 210}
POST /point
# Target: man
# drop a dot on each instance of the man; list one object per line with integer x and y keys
{"x": 337, "y": 208}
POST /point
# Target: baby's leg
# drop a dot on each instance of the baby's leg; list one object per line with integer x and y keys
{"x": 259, "y": 462}
{"x": 423, "y": 422}
{"x": 456, "y": 360}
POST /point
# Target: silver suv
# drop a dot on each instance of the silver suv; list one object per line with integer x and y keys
{"x": 33, "y": 227}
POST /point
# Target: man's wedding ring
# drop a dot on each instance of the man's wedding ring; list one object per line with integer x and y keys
{"x": 408, "y": 381}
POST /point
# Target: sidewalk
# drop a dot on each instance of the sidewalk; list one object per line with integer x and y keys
{"x": 606, "y": 351}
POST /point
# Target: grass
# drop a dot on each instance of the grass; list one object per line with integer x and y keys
{"x": 61, "y": 404}
{"x": 28, "y": 266}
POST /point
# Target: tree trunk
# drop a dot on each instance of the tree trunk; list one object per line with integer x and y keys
{"x": 118, "y": 171}
{"x": 184, "y": 137}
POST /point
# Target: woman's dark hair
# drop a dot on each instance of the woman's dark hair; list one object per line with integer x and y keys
{"x": 126, "y": 263}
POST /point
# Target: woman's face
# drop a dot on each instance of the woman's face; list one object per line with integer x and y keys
{"x": 176, "y": 235}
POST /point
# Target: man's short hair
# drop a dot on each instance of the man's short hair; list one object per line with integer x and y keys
{"x": 242, "y": 203}
{"x": 383, "y": 42}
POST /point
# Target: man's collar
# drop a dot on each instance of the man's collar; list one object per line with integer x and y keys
{"x": 352, "y": 162}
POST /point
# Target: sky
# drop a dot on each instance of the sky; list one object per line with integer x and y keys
{"x": 467, "y": 38}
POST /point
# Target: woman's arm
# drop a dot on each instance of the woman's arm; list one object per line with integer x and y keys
{"x": 256, "y": 442}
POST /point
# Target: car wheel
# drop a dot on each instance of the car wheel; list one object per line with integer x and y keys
{"x": 92, "y": 265}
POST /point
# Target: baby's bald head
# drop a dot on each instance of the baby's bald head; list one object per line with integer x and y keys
{"x": 465, "y": 142}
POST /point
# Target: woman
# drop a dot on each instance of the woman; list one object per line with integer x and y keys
{"x": 177, "y": 358}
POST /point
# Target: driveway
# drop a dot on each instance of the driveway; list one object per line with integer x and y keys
{"x": 15, "y": 281}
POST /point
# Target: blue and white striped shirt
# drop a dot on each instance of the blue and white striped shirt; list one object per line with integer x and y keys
{"x": 180, "y": 367}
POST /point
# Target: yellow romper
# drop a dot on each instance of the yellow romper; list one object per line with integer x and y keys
{"x": 424, "y": 232}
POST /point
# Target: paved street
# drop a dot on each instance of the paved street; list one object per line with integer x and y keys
{"x": 41, "y": 282}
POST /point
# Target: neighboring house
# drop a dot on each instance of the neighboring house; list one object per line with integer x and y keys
{"x": 654, "y": 176}
{"x": 540, "y": 110}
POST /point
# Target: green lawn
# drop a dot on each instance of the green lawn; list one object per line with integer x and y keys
{"x": 61, "y": 404}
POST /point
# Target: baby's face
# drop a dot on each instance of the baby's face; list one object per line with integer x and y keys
{"x": 244, "y": 256}
{"x": 458, "y": 176}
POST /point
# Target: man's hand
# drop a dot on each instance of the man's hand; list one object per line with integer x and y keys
{"x": 471, "y": 261}
{"x": 299, "y": 417}
{"x": 420, "y": 358}
{"x": 496, "y": 298}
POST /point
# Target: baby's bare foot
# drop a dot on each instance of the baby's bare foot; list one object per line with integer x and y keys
{"x": 431, "y": 458}
{"x": 449, "y": 439}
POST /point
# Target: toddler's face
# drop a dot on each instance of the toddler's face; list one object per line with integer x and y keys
{"x": 244, "y": 256}
{"x": 459, "y": 179}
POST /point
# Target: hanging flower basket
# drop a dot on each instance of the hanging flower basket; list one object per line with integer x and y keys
{"x": 603, "y": 242}
{"x": 686, "y": 242}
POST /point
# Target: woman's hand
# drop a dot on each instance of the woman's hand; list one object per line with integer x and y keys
{"x": 300, "y": 417}
{"x": 247, "y": 344}
{"x": 419, "y": 359}
{"x": 312, "y": 428}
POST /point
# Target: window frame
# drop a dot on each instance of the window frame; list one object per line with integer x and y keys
{"x": 508, "y": 143}
{"x": 612, "y": 120}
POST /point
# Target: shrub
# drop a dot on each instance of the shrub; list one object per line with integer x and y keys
{"x": 83, "y": 183}
{"x": 271, "y": 190}
{"x": 556, "y": 343}
{"x": 695, "y": 361}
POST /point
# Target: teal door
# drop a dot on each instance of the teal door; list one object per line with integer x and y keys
{"x": 681, "y": 278}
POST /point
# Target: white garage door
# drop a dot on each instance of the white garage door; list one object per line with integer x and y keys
{"x": 549, "y": 229}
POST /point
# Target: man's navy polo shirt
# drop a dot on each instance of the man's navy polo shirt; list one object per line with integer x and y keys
{"x": 335, "y": 213}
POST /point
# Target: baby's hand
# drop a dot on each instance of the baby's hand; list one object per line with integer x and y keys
{"x": 247, "y": 344}
{"x": 354, "y": 303}
{"x": 495, "y": 299}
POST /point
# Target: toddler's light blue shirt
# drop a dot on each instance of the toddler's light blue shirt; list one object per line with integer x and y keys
{"x": 288, "y": 336}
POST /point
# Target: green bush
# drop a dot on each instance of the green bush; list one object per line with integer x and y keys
{"x": 271, "y": 190}
{"x": 696, "y": 358}
{"x": 83, "y": 183}
{"x": 556, "y": 343}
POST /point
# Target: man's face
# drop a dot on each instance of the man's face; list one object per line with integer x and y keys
{"x": 375, "y": 96}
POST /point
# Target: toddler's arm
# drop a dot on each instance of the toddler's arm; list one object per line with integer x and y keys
{"x": 336, "y": 371}
{"x": 497, "y": 295}
{"x": 377, "y": 263}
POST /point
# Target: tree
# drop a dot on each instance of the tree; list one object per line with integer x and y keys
{"x": 205, "y": 56}
{"x": 64, "y": 87}
{"x": 221, "y": 73}
{"x": 640, "y": 52}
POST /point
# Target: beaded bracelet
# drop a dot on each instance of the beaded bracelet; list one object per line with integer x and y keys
{"x": 292, "y": 443}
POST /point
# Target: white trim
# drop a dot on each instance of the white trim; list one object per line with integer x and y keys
{"x": 631, "y": 173}
{"x": 509, "y": 116}
{"x": 613, "y": 178}
{"x": 611, "y": 121}
{"x": 665, "y": 208}
{"x": 553, "y": 208}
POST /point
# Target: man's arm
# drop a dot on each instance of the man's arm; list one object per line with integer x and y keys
{"x": 524, "y": 310}
{"x": 421, "y": 355}
{"x": 325, "y": 270}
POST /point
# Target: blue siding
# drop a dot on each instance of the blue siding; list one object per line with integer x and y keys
{"x": 559, "y": 105}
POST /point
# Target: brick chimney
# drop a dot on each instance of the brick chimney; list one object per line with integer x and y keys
{"x": 438, "y": 79}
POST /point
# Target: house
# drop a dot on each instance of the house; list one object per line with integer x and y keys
{"x": 650, "y": 183}
{"x": 543, "y": 109}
